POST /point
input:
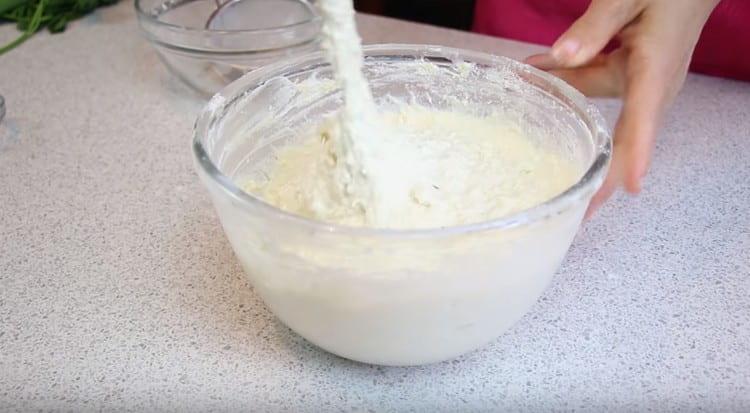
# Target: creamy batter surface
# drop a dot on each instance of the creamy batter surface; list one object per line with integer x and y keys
{"x": 433, "y": 168}
{"x": 408, "y": 166}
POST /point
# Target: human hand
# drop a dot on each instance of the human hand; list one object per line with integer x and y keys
{"x": 656, "y": 42}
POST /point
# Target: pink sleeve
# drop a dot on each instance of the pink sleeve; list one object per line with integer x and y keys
{"x": 720, "y": 51}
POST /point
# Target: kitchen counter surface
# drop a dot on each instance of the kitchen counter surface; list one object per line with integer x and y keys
{"x": 118, "y": 290}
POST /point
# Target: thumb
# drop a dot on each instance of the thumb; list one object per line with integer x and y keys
{"x": 591, "y": 32}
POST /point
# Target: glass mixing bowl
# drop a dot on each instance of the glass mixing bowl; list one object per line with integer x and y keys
{"x": 396, "y": 297}
{"x": 209, "y": 43}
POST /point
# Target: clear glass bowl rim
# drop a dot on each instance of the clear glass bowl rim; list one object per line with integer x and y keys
{"x": 315, "y": 19}
{"x": 581, "y": 190}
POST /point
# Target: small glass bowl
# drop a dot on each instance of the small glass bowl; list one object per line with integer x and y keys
{"x": 387, "y": 296}
{"x": 207, "y": 49}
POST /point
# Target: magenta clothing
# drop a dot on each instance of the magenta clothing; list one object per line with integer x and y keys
{"x": 723, "y": 49}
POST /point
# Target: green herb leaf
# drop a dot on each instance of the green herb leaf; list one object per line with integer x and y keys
{"x": 33, "y": 15}
{"x": 32, "y": 27}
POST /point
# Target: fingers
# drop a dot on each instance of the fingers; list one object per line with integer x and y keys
{"x": 594, "y": 81}
{"x": 611, "y": 182}
{"x": 602, "y": 77}
{"x": 542, "y": 61}
{"x": 644, "y": 103}
{"x": 545, "y": 61}
{"x": 586, "y": 38}
{"x": 600, "y": 198}
{"x": 591, "y": 32}
{"x": 648, "y": 71}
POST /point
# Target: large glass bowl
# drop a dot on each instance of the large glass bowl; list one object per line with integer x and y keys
{"x": 396, "y": 297}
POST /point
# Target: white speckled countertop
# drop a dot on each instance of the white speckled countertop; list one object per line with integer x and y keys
{"x": 118, "y": 290}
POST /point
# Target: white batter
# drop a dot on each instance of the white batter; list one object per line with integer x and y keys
{"x": 411, "y": 167}
{"x": 437, "y": 169}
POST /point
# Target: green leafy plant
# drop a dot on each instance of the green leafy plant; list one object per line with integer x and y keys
{"x": 33, "y": 15}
